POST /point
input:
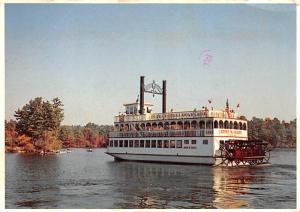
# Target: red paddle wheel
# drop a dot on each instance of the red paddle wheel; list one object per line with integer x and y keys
{"x": 241, "y": 152}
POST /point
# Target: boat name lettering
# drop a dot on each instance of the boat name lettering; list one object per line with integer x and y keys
{"x": 235, "y": 132}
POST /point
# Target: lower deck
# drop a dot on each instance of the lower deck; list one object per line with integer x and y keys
{"x": 200, "y": 150}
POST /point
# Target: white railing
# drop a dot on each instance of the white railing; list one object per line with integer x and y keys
{"x": 174, "y": 115}
{"x": 165, "y": 133}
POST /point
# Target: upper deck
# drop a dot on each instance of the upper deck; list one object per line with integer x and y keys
{"x": 205, "y": 113}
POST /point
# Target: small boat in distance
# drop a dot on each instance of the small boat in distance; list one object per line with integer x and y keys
{"x": 89, "y": 150}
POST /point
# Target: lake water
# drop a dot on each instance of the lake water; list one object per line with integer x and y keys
{"x": 82, "y": 179}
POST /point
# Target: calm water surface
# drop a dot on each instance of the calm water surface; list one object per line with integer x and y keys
{"x": 84, "y": 179}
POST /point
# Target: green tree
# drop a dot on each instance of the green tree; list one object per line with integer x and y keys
{"x": 38, "y": 117}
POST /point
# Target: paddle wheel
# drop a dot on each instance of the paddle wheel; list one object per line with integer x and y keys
{"x": 244, "y": 152}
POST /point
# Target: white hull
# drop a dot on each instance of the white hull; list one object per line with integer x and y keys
{"x": 165, "y": 158}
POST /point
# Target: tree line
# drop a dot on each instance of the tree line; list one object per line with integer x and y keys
{"x": 280, "y": 134}
{"x": 38, "y": 128}
{"x": 89, "y": 136}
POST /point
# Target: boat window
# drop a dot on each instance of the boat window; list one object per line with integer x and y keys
{"x": 241, "y": 125}
{"x": 208, "y": 124}
{"x": 121, "y": 143}
{"x": 230, "y": 125}
{"x": 172, "y": 144}
{"x": 220, "y": 124}
{"x": 153, "y": 144}
{"x": 221, "y": 141}
{"x": 244, "y": 126}
{"x": 131, "y": 143}
{"x": 235, "y": 125}
{"x": 216, "y": 124}
{"x": 147, "y": 143}
{"x": 115, "y": 143}
{"x": 179, "y": 144}
{"x": 166, "y": 143}
{"x": 193, "y": 141}
{"x": 205, "y": 141}
{"x": 159, "y": 143}
{"x": 186, "y": 142}
{"x": 226, "y": 125}
{"x": 202, "y": 125}
{"x": 111, "y": 143}
{"x": 142, "y": 143}
{"x": 126, "y": 143}
{"x": 136, "y": 143}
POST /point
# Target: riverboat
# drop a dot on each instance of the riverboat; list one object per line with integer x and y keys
{"x": 199, "y": 136}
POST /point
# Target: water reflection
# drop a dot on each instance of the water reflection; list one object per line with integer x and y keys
{"x": 38, "y": 182}
{"x": 232, "y": 185}
{"x": 149, "y": 185}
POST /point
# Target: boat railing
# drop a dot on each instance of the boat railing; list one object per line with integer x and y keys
{"x": 175, "y": 115}
{"x": 165, "y": 133}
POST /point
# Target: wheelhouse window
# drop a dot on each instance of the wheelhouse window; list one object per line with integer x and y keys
{"x": 121, "y": 143}
{"x": 125, "y": 143}
{"x": 205, "y": 141}
{"x": 166, "y": 143}
{"x": 159, "y": 143}
{"x": 115, "y": 143}
{"x": 136, "y": 143}
{"x": 153, "y": 144}
{"x": 147, "y": 143}
{"x": 186, "y": 142}
{"x": 193, "y": 141}
{"x": 131, "y": 143}
{"x": 111, "y": 143}
{"x": 142, "y": 143}
{"x": 179, "y": 144}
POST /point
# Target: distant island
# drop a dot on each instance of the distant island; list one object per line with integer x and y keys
{"x": 38, "y": 128}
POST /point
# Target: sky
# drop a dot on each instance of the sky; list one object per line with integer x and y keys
{"x": 91, "y": 56}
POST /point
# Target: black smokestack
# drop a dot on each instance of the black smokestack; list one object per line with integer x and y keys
{"x": 164, "y": 96}
{"x": 142, "y": 87}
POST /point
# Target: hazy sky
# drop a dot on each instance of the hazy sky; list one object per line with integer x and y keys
{"x": 91, "y": 57}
